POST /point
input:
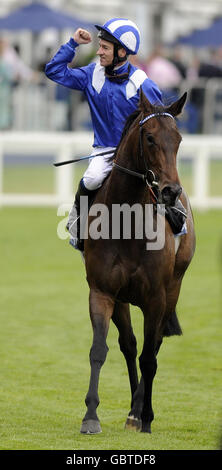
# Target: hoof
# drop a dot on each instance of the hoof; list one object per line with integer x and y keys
{"x": 90, "y": 426}
{"x": 134, "y": 424}
{"x": 146, "y": 427}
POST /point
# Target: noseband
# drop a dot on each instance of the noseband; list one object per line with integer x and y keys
{"x": 148, "y": 177}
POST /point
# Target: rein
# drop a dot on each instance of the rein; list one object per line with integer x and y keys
{"x": 148, "y": 177}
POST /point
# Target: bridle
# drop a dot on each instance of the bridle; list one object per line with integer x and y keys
{"x": 148, "y": 177}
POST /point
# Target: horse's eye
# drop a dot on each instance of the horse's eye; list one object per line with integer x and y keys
{"x": 150, "y": 139}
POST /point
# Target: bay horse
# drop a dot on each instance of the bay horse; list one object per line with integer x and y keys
{"x": 122, "y": 272}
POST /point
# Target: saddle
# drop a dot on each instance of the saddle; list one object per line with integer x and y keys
{"x": 175, "y": 215}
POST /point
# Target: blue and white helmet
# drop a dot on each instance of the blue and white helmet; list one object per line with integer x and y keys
{"x": 124, "y": 31}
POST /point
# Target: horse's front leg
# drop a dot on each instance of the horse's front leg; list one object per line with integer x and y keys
{"x": 101, "y": 309}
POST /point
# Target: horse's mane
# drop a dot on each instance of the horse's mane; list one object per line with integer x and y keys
{"x": 132, "y": 117}
{"x": 129, "y": 121}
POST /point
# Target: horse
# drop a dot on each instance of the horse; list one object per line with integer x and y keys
{"x": 123, "y": 271}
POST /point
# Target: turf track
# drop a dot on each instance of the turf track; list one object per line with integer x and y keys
{"x": 45, "y": 338}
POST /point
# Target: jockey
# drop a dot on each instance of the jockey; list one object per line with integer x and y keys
{"x": 111, "y": 88}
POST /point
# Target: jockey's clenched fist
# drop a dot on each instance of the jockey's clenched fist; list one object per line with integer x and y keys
{"x": 81, "y": 36}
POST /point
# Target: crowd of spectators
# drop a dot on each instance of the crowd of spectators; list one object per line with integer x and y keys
{"x": 12, "y": 72}
{"x": 172, "y": 67}
{"x": 168, "y": 67}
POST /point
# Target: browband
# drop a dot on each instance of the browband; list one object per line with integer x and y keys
{"x": 154, "y": 115}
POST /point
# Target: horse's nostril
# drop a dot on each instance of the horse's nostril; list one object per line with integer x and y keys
{"x": 171, "y": 193}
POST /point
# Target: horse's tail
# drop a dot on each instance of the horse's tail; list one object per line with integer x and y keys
{"x": 172, "y": 327}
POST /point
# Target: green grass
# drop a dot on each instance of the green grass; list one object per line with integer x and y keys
{"x": 46, "y": 335}
{"x": 35, "y": 178}
{"x": 215, "y": 170}
{"x": 28, "y": 179}
{"x": 41, "y": 178}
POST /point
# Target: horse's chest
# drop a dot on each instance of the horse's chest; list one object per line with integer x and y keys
{"x": 136, "y": 285}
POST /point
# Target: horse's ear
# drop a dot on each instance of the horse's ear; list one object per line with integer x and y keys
{"x": 176, "y": 108}
{"x": 144, "y": 104}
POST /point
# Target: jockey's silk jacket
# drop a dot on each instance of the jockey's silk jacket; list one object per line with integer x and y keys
{"x": 110, "y": 102}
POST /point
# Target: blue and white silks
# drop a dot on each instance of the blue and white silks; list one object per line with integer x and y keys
{"x": 110, "y": 103}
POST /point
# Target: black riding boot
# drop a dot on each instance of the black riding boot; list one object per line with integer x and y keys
{"x": 77, "y": 220}
{"x": 176, "y": 216}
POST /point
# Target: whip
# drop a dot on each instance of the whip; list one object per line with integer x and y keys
{"x": 75, "y": 160}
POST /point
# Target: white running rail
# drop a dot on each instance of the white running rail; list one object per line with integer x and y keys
{"x": 67, "y": 145}
{"x": 63, "y": 146}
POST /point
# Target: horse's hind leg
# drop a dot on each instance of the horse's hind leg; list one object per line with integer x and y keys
{"x": 134, "y": 418}
{"x": 148, "y": 366}
{"x": 101, "y": 309}
{"x": 127, "y": 342}
{"x": 147, "y": 360}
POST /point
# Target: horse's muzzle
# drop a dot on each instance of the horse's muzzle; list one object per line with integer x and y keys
{"x": 170, "y": 194}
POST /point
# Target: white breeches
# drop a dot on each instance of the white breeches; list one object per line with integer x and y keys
{"x": 98, "y": 169}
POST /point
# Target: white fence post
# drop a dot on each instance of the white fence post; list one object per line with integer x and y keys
{"x": 201, "y": 177}
{"x": 63, "y": 145}
{"x": 64, "y": 175}
{"x": 200, "y": 149}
